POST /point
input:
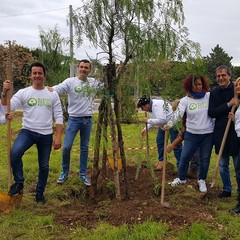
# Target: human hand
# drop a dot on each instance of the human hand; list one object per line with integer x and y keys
{"x": 231, "y": 102}
{"x": 8, "y": 116}
{"x": 231, "y": 116}
{"x": 57, "y": 144}
{"x": 6, "y": 86}
{"x": 50, "y": 89}
{"x": 145, "y": 120}
{"x": 144, "y": 133}
{"x": 166, "y": 127}
{"x": 170, "y": 147}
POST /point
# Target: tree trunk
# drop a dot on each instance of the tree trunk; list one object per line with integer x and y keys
{"x": 95, "y": 170}
{"x": 121, "y": 146}
{"x": 110, "y": 74}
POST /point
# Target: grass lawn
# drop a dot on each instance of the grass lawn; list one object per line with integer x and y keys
{"x": 31, "y": 221}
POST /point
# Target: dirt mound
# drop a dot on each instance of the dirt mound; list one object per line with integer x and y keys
{"x": 187, "y": 205}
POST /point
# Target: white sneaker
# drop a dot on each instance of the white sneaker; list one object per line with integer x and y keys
{"x": 202, "y": 185}
{"x": 177, "y": 181}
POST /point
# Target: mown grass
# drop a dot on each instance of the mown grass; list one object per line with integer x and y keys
{"x": 32, "y": 221}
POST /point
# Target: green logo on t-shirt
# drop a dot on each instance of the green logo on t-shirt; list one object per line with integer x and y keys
{"x": 42, "y": 102}
{"x": 192, "y": 106}
{"x": 200, "y": 105}
{"x": 86, "y": 90}
{"x": 32, "y": 102}
{"x": 78, "y": 89}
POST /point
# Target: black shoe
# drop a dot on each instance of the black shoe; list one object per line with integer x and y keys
{"x": 15, "y": 189}
{"x": 224, "y": 194}
{"x": 236, "y": 210}
{"x": 40, "y": 198}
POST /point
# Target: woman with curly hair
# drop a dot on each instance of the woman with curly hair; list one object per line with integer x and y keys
{"x": 199, "y": 129}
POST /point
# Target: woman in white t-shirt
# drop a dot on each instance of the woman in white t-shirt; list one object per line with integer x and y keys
{"x": 199, "y": 129}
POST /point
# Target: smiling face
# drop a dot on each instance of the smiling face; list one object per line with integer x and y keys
{"x": 223, "y": 78}
{"x": 197, "y": 87}
{"x": 37, "y": 77}
{"x": 84, "y": 69}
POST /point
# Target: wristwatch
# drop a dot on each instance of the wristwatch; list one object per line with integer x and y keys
{"x": 3, "y": 94}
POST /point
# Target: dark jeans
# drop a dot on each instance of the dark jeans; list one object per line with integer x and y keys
{"x": 23, "y": 142}
{"x": 191, "y": 143}
{"x": 225, "y": 173}
{"x": 160, "y": 144}
{"x": 194, "y": 163}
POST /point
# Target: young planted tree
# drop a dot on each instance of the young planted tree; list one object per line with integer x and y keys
{"x": 142, "y": 31}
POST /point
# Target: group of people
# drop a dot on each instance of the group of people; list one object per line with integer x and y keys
{"x": 41, "y": 105}
{"x": 205, "y": 115}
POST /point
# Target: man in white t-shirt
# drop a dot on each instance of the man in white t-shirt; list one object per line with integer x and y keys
{"x": 39, "y": 108}
{"x": 160, "y": 112}
{"x": 81, "y": 91}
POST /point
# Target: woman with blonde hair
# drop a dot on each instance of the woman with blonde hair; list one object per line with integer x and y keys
{"x": 236, "y": 118}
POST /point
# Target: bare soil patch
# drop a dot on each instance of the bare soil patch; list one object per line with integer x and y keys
{"x": 187, "y": 205}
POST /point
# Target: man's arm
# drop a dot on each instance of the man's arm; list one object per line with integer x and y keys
{"x": 57, "y": 142}
{"x": 215, "y": 110}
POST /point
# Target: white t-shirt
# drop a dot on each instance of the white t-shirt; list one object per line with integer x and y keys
{"x": 39, "y": 109}
{"x": 3, "y": 110}
{"x": 80, "y": 95}
{"x": 160, "y": 114}
{"x": 237, "y": 121}
{"x": 197, "y": 120}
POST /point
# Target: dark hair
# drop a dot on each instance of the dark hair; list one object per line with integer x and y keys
{"x": 37, "y": 64}
{"x": 189, "y": 81}
{"x": 85, "y": 61}
{"x": 229, "y": 72}
{"x": 143, "y": 101}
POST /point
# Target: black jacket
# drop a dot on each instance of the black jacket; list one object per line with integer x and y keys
{"x": 219, "y": 110}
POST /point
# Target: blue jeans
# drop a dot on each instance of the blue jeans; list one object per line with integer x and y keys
{"x": 23, "y": 142}
{"x": 225, "y": 174}
{"x": 160, "y": 144}
{"x": 75, "y": 124}
{"x": 191, "y": 144}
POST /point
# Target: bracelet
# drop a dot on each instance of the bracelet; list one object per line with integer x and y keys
{"x": 3, "y": 94}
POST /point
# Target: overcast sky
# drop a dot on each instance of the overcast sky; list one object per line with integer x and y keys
{"x": 210, "y": 22}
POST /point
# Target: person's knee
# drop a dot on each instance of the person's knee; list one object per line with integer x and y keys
{"x": 44, "y": 167}
{"x": 66, "y": 148}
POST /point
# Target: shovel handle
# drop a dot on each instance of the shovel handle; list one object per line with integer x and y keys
{"x": 214, "y": 179}
{"x": 147, "y": 138}
{"x": 9, "y": 131}
{"x": 164, "y": 166}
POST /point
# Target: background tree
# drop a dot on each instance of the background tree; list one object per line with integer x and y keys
{"x": 52, "y": 56}
{"x": 236, "y": 72}
{"x": 215, "y": 59}
{"x": 20, "y": 59}
{"x": 129, "y": 30}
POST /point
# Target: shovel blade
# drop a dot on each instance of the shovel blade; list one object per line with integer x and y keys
{"x": 8, "y": 203}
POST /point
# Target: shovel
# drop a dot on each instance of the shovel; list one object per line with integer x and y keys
{"x": 7, "y": 203}
{"x": 165, "y": 204}
{"x": 214, "y": 179}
